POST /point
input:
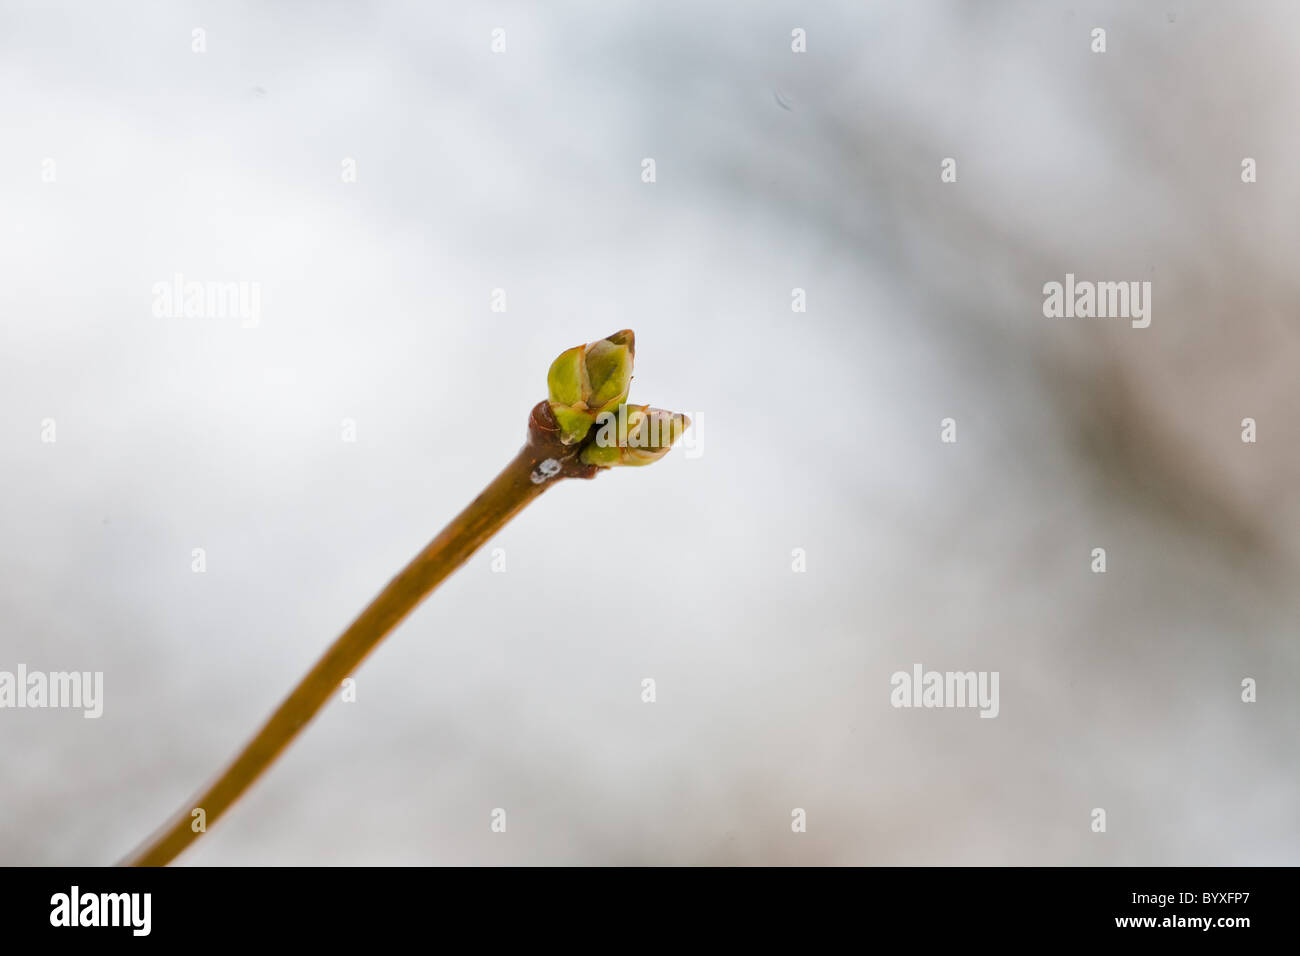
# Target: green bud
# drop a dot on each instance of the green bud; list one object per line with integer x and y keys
{"x": 587, "y": 380}
{"x": 564, "y": 380}
{"x": 634, "y": 435}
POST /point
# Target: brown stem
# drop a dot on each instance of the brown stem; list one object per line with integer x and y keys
{"x": 540, "y": 463}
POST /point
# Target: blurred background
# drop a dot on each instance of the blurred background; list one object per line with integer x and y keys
{"x": 129, "y": 157}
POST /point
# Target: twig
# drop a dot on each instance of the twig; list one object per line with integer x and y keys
{"x": 551, "y": 454}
